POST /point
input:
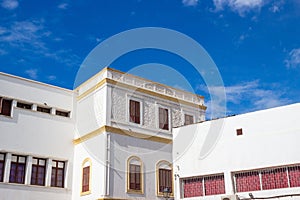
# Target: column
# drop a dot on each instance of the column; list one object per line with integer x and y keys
{"x": 28, "y": 170}
{"x": 48, "y": 172}
{"x": 7, "y": 167}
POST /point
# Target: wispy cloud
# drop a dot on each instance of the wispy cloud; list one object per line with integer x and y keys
{"x": 63, "y": 6}
{"x": 32, "y": 73}
{"x": 23, "y": 33}
{"x": 239, "y": 6}
{"x": 250, "y": 92}
{"x": 293, "y": 59}
{"x": 277, "y": 6}
{"x": 33, "y": 38}
{"x": 190, "y": 2}
{"x": 10, "y": 4}
{"x": 51, "y": 78}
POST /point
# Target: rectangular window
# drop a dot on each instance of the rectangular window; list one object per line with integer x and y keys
{"x": 193, "y": 187}
{"x": 43, "y": 109}
{"x": 214, "y": 185}
{"x": 239, "y": 131}
{"x": 38, "y": 173}
{"x": 134, "y": 177}
{"x": 62, "y": 113}
{"x": 188, "y": 119}
{"x": 274, "y": 178}
{"x": 86, "y": 179}
{"x": 247, "y": 181}
{"x": 203, "y": 186}
{"x": 2, "y": 166}
{"x": 58, "y": 173}
{"x": 267, "y": 179}
{"x": 294, "y": 176}
{"x": 134, "y": 111}
{"x": 24, "y": 105}
{"x": 5, "y": 107}
{"x": 17, "y": 169}
{"x": 163, "y": 118}
{"x": 165, "y": 180}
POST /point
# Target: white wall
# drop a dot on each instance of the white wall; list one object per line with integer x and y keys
{"x": 93, "y": 149}
{"x": 122, "y": 147}
{"x": 33, "y": 133}
{"x": 91, "y": 112}
{"x": 270, "y": 138}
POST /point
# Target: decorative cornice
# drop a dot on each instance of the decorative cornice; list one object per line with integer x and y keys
{"x": 141, "y": 90}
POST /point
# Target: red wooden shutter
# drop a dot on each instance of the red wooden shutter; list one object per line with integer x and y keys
{"x": 86, "y": 179}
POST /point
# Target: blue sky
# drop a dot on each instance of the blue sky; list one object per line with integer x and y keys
{"x": 254, "y": 43}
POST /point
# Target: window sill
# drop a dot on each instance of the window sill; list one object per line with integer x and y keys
{"x": 160, "y": 194}
{"x": 85, "y": 193}
{"x": 32, "y": 186}
{"x": 131, "y": 191}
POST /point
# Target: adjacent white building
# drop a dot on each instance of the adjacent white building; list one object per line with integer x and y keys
{"x": 255, "y": 155}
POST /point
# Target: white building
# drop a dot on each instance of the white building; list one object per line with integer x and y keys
{"x": 110, "y": 138}
{"x": 255, "y": 153}
{"x": 113, "y": 137}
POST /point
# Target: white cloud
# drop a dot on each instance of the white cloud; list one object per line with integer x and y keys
{"x": 277, "y": 6}
{"x": 248, "y": 92}
{"x": 293, "y": 59}
{"x": 190, "y": 2}
{"x": 274, "y": 9}
{"x": 51, "y": 77}
{"x": 239, "y": 6}
{"x": 63, "y": 6}
{"x": 31, "y": 37}
{"x": 10, "y": 4}
{"x": 32, "y": 73}
{"x": 23, "y": 32}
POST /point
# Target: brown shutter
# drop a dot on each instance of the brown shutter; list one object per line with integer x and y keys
{"x": 131, "y": 110}
{"x": 137, "y": 112}
{"x": 86, "y": 179}
{"x": 1, "y": 99}
{"x": 6, "y": 107}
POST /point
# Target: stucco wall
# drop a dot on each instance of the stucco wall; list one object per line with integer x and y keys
{"x": 270, "y": 138}
{"x": 123, "y": 147}
{"x": 120, "y": 109}
{"x": 37, "y": 134}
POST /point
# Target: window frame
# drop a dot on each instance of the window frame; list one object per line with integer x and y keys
{"x": 136, "y": 161}
{"x": 62, "y": 113}
{"x": 139, "y": 111}
{"x": 165, "y": 165}
{"x": 24, "y": 105}
{"x": 2, "y": 111}
{"x": 2, "y": 171}
{"x": 39, "y": 167}
{"x": 14, "y": 178}
{"x": 55, "y": 184}
{"x": 43, "y": 109}
{"x": 87, "y": 163}
{"x": 168, "y": 118}
{"x": 190, "y": 115}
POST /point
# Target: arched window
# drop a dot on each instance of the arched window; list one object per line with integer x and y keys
{"x": 86, "y": 177}
{"x": 164, "y": 177}
{"x": 135, "y": 175}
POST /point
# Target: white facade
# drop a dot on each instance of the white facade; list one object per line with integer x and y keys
{"x": 268, "y": 146}
{"x": 81, "y": 144}
{"x": 89, "y": 128}
{"x": 34, "y": 134}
